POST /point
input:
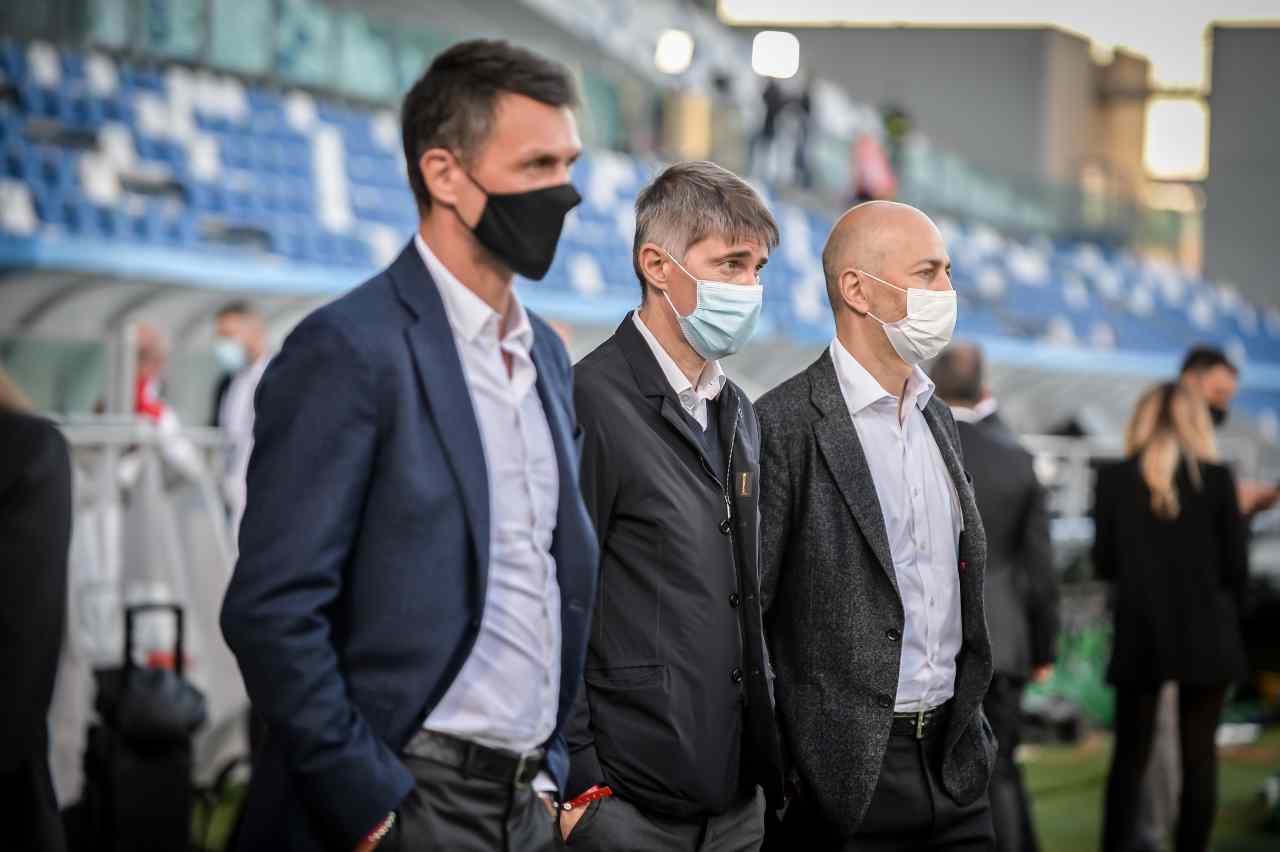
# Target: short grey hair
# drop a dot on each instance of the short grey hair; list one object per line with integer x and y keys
{"x": 694, "y": 200}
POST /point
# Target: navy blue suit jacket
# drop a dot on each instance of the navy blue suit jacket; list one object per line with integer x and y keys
{"x": 364, "y": 554}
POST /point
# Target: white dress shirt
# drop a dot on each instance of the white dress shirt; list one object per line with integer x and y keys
{"x": 235, "y": 418}
{"x": 922, "y": 517}
{"x": 508, "y": 691}
{"x": 692, "y": 399}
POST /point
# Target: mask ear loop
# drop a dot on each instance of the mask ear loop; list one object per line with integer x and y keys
{"x": 478, "y": 186}
{"x": 697, "y": 295}
{"x": 883, "y": 324}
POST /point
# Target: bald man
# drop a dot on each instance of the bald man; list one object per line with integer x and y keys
{"x": 872, "y": 560}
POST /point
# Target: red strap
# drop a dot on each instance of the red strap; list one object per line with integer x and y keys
{"x": 589, "y": 795}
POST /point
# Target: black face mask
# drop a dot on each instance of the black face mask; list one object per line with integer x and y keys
{"x": 1218, "y": 415}
{"x": 521, "y": 229}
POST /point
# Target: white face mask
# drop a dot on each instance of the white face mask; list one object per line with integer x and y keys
{"x": 926, "y": 329}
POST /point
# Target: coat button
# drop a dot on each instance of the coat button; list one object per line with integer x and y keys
{"x": 893, "y": 634}
{"x": 734, "y": 600}
{"x": 736, "y": 675}
{"x": 884, "y": 701}
{"x": 724, "y": 526}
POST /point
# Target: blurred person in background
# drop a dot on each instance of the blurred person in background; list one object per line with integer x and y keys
{"x": 1021, "y": 587}
{"x": 416, "y": 570}
{"x": 1169, "y": 537}
{"x": 240, "y": 347}
{"x": 673, "y": 734}
{"x": 1210, "y": 373}
{"x": 152, "y": 359}
{"x": 803, "y": 106}
{"x": 151, "y": 348}
{"x": 761, "y": 148}
{"x": 35, "y": 534}
{"x": 873, "y": 556}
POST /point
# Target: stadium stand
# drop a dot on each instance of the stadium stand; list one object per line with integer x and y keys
{"x": 212, "y": 179}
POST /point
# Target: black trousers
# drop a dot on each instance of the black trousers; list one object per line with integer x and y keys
{"x": 1010, "y": 808}
{"x": 26, "y": 791}
{"x": 450, "y": 812}
{"x": 909, "y": 811}
{"x": 1199, "y": 710}
{"x": 615, "y": 825}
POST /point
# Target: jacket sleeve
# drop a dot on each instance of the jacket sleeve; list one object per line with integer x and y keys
{"x": 775, "y": 508}
{"x": 598, "y": 480}
{"x": 1233, "y": 535}
{"x": 1037, "y": 562}
{"x": 1104, "y": 534}
{"x": 315, "y": 440}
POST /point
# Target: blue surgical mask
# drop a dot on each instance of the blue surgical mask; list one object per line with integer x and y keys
{"x": 230, "y": 354}
{"x": 724, "y": 319}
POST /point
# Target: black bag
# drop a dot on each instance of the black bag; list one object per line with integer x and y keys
{"x": 138, "y": 790}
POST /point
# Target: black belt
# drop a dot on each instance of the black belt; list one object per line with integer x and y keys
{"x": 473, "y": 759}
{"x": 920, "y": 724}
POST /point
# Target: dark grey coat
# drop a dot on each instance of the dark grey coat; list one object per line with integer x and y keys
{"x": 834, "y": 617}
{"x": 1021, "y": 588}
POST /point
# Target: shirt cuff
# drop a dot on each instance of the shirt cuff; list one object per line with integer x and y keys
{"x": 543, "y": 783}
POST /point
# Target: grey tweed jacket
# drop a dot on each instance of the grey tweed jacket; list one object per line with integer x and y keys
{"x": 834, "y": 617}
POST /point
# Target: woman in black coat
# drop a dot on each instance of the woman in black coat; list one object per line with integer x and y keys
{"x": 1170, "y": 538}
{"x": 35, "y": 530}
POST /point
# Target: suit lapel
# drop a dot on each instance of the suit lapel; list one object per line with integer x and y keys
{"x": 842, "y": 450}
{"x": 440, "y": 373}
{"x": 964, "y": 489}
{"x": 566, "y": 458}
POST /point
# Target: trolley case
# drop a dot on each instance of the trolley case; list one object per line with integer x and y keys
{"x": 138, "y": 789}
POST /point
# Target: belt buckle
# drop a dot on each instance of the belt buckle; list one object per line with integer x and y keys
{"x": 920, "y": 724}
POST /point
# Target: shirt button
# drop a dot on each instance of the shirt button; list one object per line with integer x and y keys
{"x": 884, "y": 701}
{"x": 893, "y": 634}
{"x": 736, "y": 675}
{"x": 734, "y": 599}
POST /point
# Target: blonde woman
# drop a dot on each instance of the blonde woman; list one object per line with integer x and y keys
{"x": 1170, "y": 539}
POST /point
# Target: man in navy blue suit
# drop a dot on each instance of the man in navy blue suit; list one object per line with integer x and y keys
{"x": 411, "y": 604}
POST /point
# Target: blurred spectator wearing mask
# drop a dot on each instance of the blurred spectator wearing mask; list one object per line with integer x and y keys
{"x": 1169, "y": 536}
{"x": 1212, "y": 375}
{"x": 242, "y": 352}
{"x": 148, "y": 403}
{"x": 35, "y": 533}
{"x": 1021, "y": 589}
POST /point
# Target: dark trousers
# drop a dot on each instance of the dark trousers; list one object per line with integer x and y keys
{"x": 909, "y": 811}
{"x": 451, "y": 812}
{"x": 1010, "y": 808}
{"x": 615, "y": 825}
{"x": 33, "y": 821}
{"x": 1199, "y": 709}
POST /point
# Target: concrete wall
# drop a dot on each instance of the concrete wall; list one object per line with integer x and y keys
{"x": 1242, "y": 209}
{"x": 1011, "y": 100}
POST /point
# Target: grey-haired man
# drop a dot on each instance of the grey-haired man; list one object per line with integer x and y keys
{"x": 673, "y": 736}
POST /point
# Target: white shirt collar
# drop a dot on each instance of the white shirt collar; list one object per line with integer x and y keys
{"x": 710, "y": 382}
{"x": 469, "y": 315}
{"x": 977, "y": 413}
{"x": 860, "y": 389}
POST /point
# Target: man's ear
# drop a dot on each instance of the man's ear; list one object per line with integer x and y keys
{"x": 655, "y": 266}
{"x": 440, "y": 173}
{"x": 853, "y": 293}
